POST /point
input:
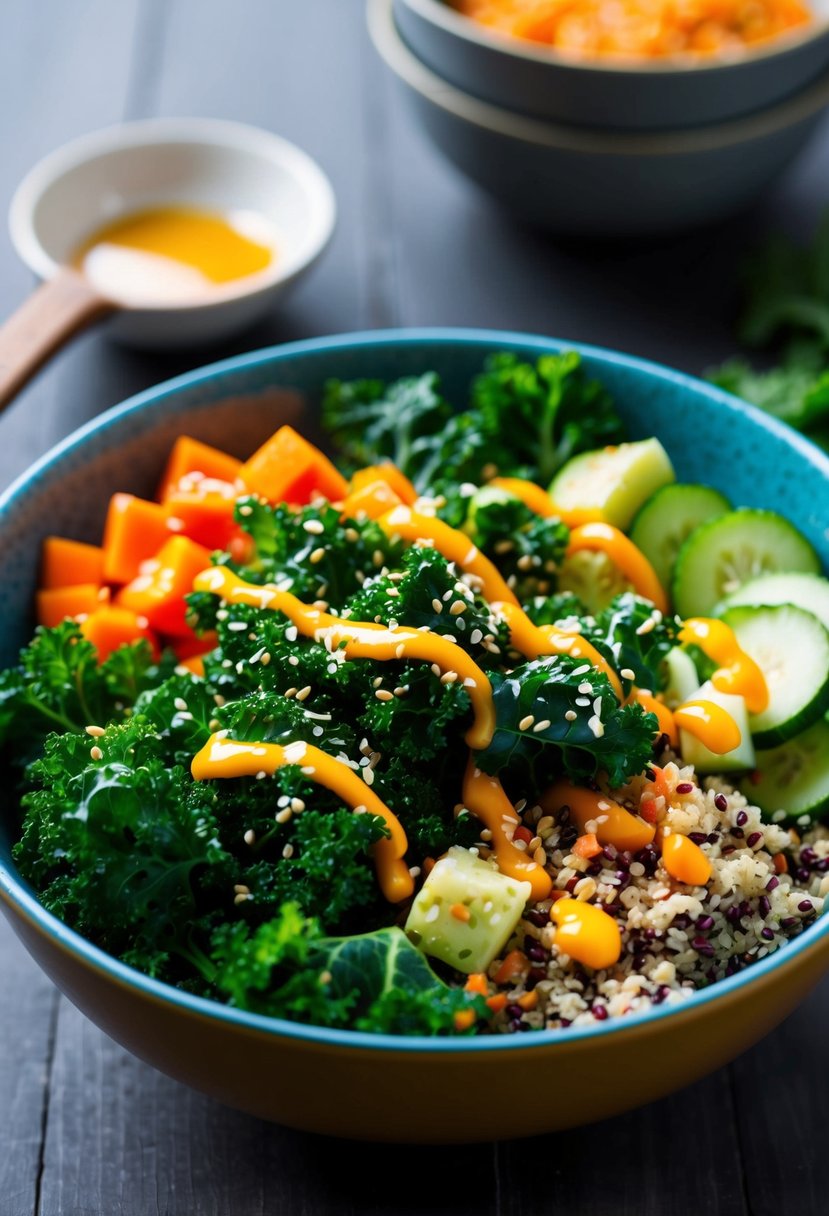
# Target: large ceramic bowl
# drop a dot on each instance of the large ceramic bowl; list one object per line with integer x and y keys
{"x": 591, "y": 182}
{"x": 650, "y": 95}
{"x": 375, "y": 1086}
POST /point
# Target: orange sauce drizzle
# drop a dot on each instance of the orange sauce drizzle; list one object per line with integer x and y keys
{"x": 614, "y": 824}
{"x": 484, "y": 796}
{"x": 539, "y": 501}
{"x": 365, "y": 640}
{"x": 587, "y": 933}
{"x": 711, "y": 724}
{"x": 664, "y": 717}
{"x": 221, "y": 757}
{"x": 604, "y": 538}
{"x": 454, "y": 545}
{"x": 738, "y": 672}
{"x": 535, "y": 640}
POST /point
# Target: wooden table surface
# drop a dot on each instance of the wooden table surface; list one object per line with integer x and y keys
{"x": 87, "y": 1130}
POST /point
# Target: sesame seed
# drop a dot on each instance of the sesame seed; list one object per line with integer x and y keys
{"x": 297, "y": 805}
{"x": 293, "y": 660}
{"x": 436, "y": 670}
{"x": 647, "y": 626}
{"x": 400, "y": 651}
{"x": 261, "y": 775}
{"x": 95, "y": 731}
{"x": 236, "y": 626}
{"x": 241, "y": 889}
{"x": 383, "y": 694}
{"x": 351, "y": 535}
{"x": 250, "y": 836}
{"x": 475, "y": 636}
{"x": 526, "y": 722}
{"x": 289, "y": 692}
{"x": 544, "y": 724}
{"x": 627, "y": 673}
{"x": 584, "y": 687}
{"x": 582, "y": 700}
{"x": 180, "y": 704}
{"x": 265, "y": 658}
{"x": 457, "y": 608}
{"x": 240, "y": 898}
{"x": 316, "y": 555}
{"x": 437, "y": 605}
{"x": 449, "y": 677}
{"x": 288, "y": 851}
{"x": 291, "y": 633}
{"x": 596, "y": 726}
{"x": 303, "y": 693}
{"x": 284, "y": 815}
{"x": 96, "y": 753}
{"x": 314, "y": 526}
{"x": 368, "y": 775}
{"x": 570, "y": 715}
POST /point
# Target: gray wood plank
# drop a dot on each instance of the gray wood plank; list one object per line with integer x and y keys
{"x": 28, "y": 1005}
{"x": 782, "y": 1092}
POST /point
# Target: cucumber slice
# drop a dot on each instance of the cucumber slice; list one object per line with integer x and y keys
{"x": 593, "y": 577}
{"x": 680, "y": 680}
{"x": 722, "y": 555}
{"x": 613, "y": 481}
{"x": 809, "y": 591}
{"x": 703, "y": 759}
{"x": 794, "y": 777}
{"x": 667, "y": 520}
{"x": 791, "y": 647}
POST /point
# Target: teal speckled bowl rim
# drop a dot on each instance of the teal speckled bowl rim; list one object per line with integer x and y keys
{"x": 20, "y": 898}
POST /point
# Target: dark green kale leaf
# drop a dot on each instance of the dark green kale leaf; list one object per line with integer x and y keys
{"x": 371, "y": 421}
{"x": 427, "y": 594}
{"x": 180, "y": 712}
{"x": 114, "y": 846}
{"x": 787, "y": 290}
{"x": 796, "y": 392}
{"x": 60, "y": 686}
{"x": 601, "y": 735}
{"x": 563, "y": 606}
{"x": 615, "y": 632}
{"x": 526, "y": 548}
{"x": 544, "y": 413}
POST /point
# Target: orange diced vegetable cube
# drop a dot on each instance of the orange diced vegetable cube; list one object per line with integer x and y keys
{"x": 204, "y": 507}
{"x": 476, "y": 982}
{"x": 516, "y": 963}
{"x": 371, "y": 500}
{"x": 134, "y": 531}
{"x": 587, "y": 846}
{"x": 186, "y": 648}
{"x": 191, "y": 456}
{"x": 158, "y": 590}
{"x": 684, "y": 860}
{"x": 111, "y": 626}
{"x": 465, "y": 1018}
{"x": 55, "y": 604}
{"x": 68, "y": 563}
{"x": 391, "y": 475}
{"x": 195, "y": 664}
{"x": 287, "y": 468}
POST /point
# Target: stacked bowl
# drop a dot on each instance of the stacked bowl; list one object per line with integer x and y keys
{"x": 605, "y": 147}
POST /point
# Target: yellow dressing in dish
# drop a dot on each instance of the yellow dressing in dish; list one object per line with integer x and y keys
{"x": 539, "y": 501}
{"x": 221, "y": 757}
{"x": 709, "y": 723}
{"x": 365, "y": 640}
{"x": 604, "y": 538}
{"x": 175, "y": 255}
{"x": 484, "y": 796}
{"x": 535, "y": 640}
{"x": 586, "y": 933}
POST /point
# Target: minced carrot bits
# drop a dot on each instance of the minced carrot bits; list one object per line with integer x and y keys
{"x": 635, "y": 29}
{"x": 461, "y": 912}
{"x": 464, "y": 1018}
{"x": 587, "y": 846}
{"x": 477, "y": 983}
{"x": 515, "y": 963}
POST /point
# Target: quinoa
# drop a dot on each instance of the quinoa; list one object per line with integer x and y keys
{"x": 767, "y": 885}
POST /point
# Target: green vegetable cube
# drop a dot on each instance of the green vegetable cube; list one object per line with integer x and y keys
{"x": 466, "y": 911}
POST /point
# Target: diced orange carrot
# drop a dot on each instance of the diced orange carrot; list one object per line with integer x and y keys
{"x": 528, "y": 1000}
{"x": 587, "y": 846}
{"x": 477, "y": 983}
{"x": 67, "y": 563}
{"x": 241, "y": 548}
{"x": 372, "y": 500}
{"x": 497, "y": 1002}
{"x": 195, "y": 664}
{"x": 287, "y": 468}
{"x": 515, "y": 963}
{"x": 158, "y": 591}
{"x": 187, "y": 647}
{"x": 684, "y": 860}
{"x": 204, "y": 508}
{"x": 191, "y": 456}
{"x": 461, "y": 912}
{"x": 111, "y": 626}
{"x": 647, "y": 809}
{"x": 780, "y": 862}
{"x": 134, "y": 531}
{"x": 391, "y": 475}
{"x": 55, "y": 604}
{"x": 660, "y": 783}
{"x": 465, "y": 1018}
{"x": 428, "y": 866}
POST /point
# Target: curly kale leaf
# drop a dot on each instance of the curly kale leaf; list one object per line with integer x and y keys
{"x": 313, "y": 553}
{"x": 563, "y": 608}
{"x": 115, "y": 846}
{"x": 428, "y": 595}
{"x": 523, "y": 419}
{"x": 372, "y": 421}
{"x": 535, "y": 741}
{"x": 526, "y": 548}
{"x": 787, "y": 290}
{"x": 796, "y": 392}
{"x": 623, "y": 633}
{"x": 60, "y": 686}
{"x": 180, "y": 711}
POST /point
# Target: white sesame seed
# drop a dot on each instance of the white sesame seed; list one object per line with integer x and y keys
{"x": 457, "y": 608}
{"x": 316, "y": 555}
{"x": 288, "y": 851}
{"x": 368, "y": 775}
{"x": 314, "y": 526}
{"x": 475, "y": 636}
{"x": 180, "y": 704}
{"x": 383, "y": 694}
{"x": 449, "y": 677}
{"x": 96, "y": 753}
{"x": 250, "y": 836}
{"x": 95, "y": 731}
{"x": 586, "y": 688}
{"x": 526, "y": 722}
{"x": 236, "y": 626}
{"x": 627, "y": 673}
{"x": 303, "y": 693}
{"x": 582, "y": 701}
{"x": 284, "y": 815}
{"x": 240, "y": 898}
{"x": 436, "y": 670}
{"x": 543, "y": 725}
{"x": 647, "y": 626}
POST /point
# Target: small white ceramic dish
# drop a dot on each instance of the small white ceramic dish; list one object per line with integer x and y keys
{"x": 200, "y": 162}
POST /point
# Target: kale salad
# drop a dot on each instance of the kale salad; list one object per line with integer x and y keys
{"x": 488, "y": 725}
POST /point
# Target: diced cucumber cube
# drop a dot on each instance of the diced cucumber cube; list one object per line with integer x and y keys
{"x": 466, "y": 911}
{"x": 613, "y": 481}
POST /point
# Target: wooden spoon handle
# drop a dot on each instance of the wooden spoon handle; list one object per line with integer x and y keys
{"x": 53, "y": 313}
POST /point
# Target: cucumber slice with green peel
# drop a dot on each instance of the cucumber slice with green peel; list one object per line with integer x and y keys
{"x": 723, "y": 554}
{"x": 614, "y": 482}
{"x": 809, "y": 591}
{"x": 791, "y": 648}
{"x": 668, "y": 518}
{"x": 794, "y": 777}
{"x": 703, "y": 759}
{"x": 680, "y": 679}
{"x": 593, "y": 577}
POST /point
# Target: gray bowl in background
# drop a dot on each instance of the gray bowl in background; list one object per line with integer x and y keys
{"x": 577, "y": 181}
{"x": 654, "y": 95}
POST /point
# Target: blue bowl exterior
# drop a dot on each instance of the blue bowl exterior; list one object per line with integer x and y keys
{"x": 710, "y": 436}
